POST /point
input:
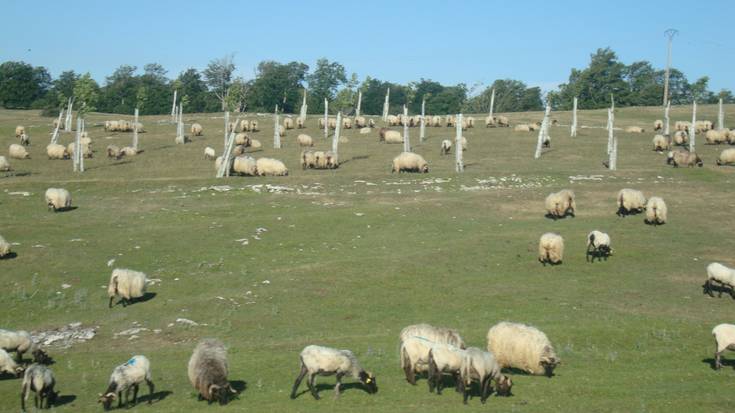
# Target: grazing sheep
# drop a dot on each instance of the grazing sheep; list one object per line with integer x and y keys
{"x": 8, "y": 365}
{"x": 56, "y": 151}
{"x": 392, "y": 136}
{"x": 681, "y": 138}
{"x": 444, "y": 360}
{"x": 451, "y": 121}
{"x": 114, "y": 152}
{"x": 658, "y": 125}
{"x": 716, "y": 137}
{"x": 242, "y": 139}
{"x": 126, "y": 284}
{"x": 18, "y": 152}
{"x": 347, "y": 123}
{"x": 682, "y": 126}
{"x": 58, "y": 199}
{"x": 560, "y": 204}
{"x": 281, "y": 131}
{"x": 125, "y": 377}
{"x": 634, "y": 129}
{"x": 16, "y": 341}
{"x": 365, "y": 131}
{"x": 196, "y": 129}
{"x": 630, "y": 201}
{"x": 414, "y": 356}
{"x": 724, "y": 335}
{"x": 550, "y": 249}
{"x": 410, "y": 162}
{"x": 522, "y": 127}
{"x": 598, "y": 245}
{"x": 433, "y": 334}
{"x": 208, "y": 371}
{"x": 271, "y": 167}
{"x": 523, "y": 347}
{"x": 129, "y": 151}
{"x": 371, "y": 123}
{"x": 308, "y": 160}
{"x": 300, "y": 122}
{"x": 702, "y": 125}
{"x": 25, "y": 140}
{"x": 320, "y": 158}
{"x": 332, "y": 123}
{"x": 490, "y": 121}
{"x": 40, "y": 380}
{"x": 726, "y": 157}
{"x": 326, "y": 361}
{"x": 254, "y": 126}
{"x": 304, "y": 140}
{"x": 393, "y": 120}
{"x": 381, "y": 134}
{"x": 331, "y": 160}
{"x": 503, "y": 121}
{"x": 320, "y": 123}
{"x": 534, "y": 127}
{"x": 4, "y": 247}
{"x": 656, "y": 211}
{"x": 209, "y": 153}
{"x": 245, "y": 165}
{"x": 360, "y": 122}
{"x": 181, "y": 140}
{"x": 482, "y": 367}
{"x": 239, "y": 150}
{"x": 41, "y": 357}
{"x": 288, "y": 123}
{"x": 255, "y": 144}
{"x": 19, "y": 130}
{"x": 4, "y": 164}
{"x": 446, "y": 147}
{"x": 689, "y": 159}
{"x": 86, "y": 150}
{"x": 436, "y": 121}
{"x": 722, "y": 275}
{"x": 660, "y": 143}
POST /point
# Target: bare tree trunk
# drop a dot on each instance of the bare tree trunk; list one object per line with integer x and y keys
{"x": 609, "y": 130}
{"x": 574, "y": 118}
{"x": 422, "y": 129}
{"x": 326, "y": 118}
{"x": 667, "y": 122}
{"x": 227, "y": 126}
{"x": 720, "y": 117}
{"x": 173, "y": 107}
{"x": 612, "y": 142}
{"x": 135, "y": 131}
{"x": 55, "y": 136}
{"x": 492, "y": 104}
{"x": 543, "y": 132}
{"x": 337, "y": 131}
{"x": 459, "y": 164}
{"x": 224, "y": 169}
{"x": 77, "y": 146}
{"x": 302, "y": 114}
{"x": 693, "y": 128}
{"x": 359, "y": 103}
{"x": 69, "y": 114}
{"x": 386, "y": 105}
{"x": 276, "y": 134}
{"x": 406, "y": 143}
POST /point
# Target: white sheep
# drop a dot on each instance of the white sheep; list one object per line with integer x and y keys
{"x": 281, "y": 131}
{"x": 58, "y": 199}
{"x": 503, "y": 121}
{"x": 308, "y": 160}
{"x": 722, "y": 275}
{"x": 660, "y": 143}
{"x": 40, "y": 380}
{"x": 414, "y": 356}
{"x": 4, "y": 247}
{"x": 360, "y": 122}
{"x": 126, "y": 284}
{"x": 300, "y": 122}
{"x": 716, "y": 137}
{"x": 245, "y": 165}
{"x": 371, "y": 123}
{"x": 181, "y": 140}
{"x": 409, "y": 162}
{"x": 444, "y": 360}
{"x": 521, "y": 346}
{"x": 4, "y": 164}
{"x": 656, "y": 211}
{"x": 19, "y": 130}
{"x": 683, "y": 158}
{"x": 209, "y": 153}
{"x": 288, "y": 123}
{"x": 393, "y": 120}
{"x": 682, "y": 125}
{"x": 208, "y": 370}
{"x": 196, "y": 129}
{"x": 86, "y": 151}
{"x": 326, "y": 361}
{"x": 724, "y": 335}
{"x": 522, "y": 127}
{"x": 255, "y": 144}
{"x": 392, "y": 136}
{"x": 129, "y": 151}
{"x": 598, "y": 245}
{"x": 482, "y": 367}
{"x": 332, "y": 123}
{"x": 630, "y": 201}
{"x": 16, "y": 151}
{"x": 490, "y": 121}
{"x": 25, "y": 140}
{"x": 113, "y": 151}
{"x": 726, "y": 157}
{"x": 634, "y": 129}
{"x": 272, "y": 167}
{"x": 304, "y": 140}
{"x": 365, "y": 131}
{"x": 446, "y": 146}
{"x": 347, "y": 123}
{"x": 126, "y": 377}
{"x": 17, "y": 341}
{"x": 253, "y": 126}
{"x": 681, "y": 138}
{"x": 560, "y": 204}
{"x": 550, "y": 249}
{"x": 8, "y": 365}
{"x": 658, "y": 124}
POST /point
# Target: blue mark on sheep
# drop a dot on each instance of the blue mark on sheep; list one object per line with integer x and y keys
{"x": 130, "y": 362}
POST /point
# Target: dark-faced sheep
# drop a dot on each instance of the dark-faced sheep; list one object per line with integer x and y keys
{"x": 682, "y": 158}
{"x": 482, "y": 367}
{"x": 326, "y": 361}
{"x": 40, "y": 380}
{"x": 598, "y": 246}
{"x": 208, "y": 372}
{"x": 126, "y": 378}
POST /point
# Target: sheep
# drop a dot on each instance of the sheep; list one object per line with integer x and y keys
{"x": 86, "y": 150}
{"x": 218, "y": 163}
{"x": 731, "y": 137}
{"x": 126, "y": 377}
{"x": 8, "y": 365}
{"x": 320, "y": 159}
{"x": 326, "y": 361}
{"x": 331, "y": 160}
{"x": 433, "y": 334}
{"x": 114, "y": 152}
{"x": 181, "y": 140}
{"x": 4, "y": 164}
{"x": 365, "y": 131}
{"x": 332, "y": 123}
{"x": 550, "y": 249}
{"x": 39, "y": 379}
{"x": 503, "y": 121}
{"x": 320, "y": 123}
{"x": 129, "y": 151}
{"x": 658, "y": 125}
{"x": 288, "y": 123}
{"x": 371, "y": 123}
{"x": 56, "y": 151}
{"x": 255, "y": 144}
{"x": 689, "y": 159}
{"x": 300, "y": 123}
{"x": 716, "y": 137}
{"x": 436, "y": 121}
{"x": 534, "y": 126}
{"x": 702, "y": 125}
{"x": 308, "y": 160}
{"x": 270, "y": 166}
{"x": 381, "y": 134}
{"x": 281, "y": 131}
{"x": 304, "y": 140}
{"x": 245, "y": 165}
{"x": 242, "y": 139}
{"x": 58, "y": 199}
{"x": 470, "y": 122}
{"x": 360, "y": 122}
{"x": 207, "y": 371}
{"x": 655, "y": 211}
{"x": 244, "y": 125}
{"x": 18, "y": 152}
{"x": 726, "y": 157}
{"x": 722, "y": 275}
{"x": 451, "y": 121}
{"x": 634, "y": 129}
{"x": 126, "y": 284}
{"x": 522, "y": 346}
{"x": 85, "y": 139}
{"x": 482, "y": 367}
{"x": 682, "y": 126}
{"x": 254, "y": 126}
{"x": 560, "y": 204}
{"x": 232, "y": 126}
{"x": 444, "y": 359}
{"x": 17, "y": 341}
{"x": 347, "y": 123}
{"x": 463, "y": 140}
{"x": 209, "y": 153}
{"x": 414, "y": 356}
{"x": 409, "y": 162}
{"x": 724, "y": 335}
{"x": 630, "y": 201}
{"x": 522, "y": 127}
{"x": 392, "y": 136}
{"x": 598, "y": 245}
{"x": 4, "y": 247}
{"x": 446, "y": 147}
{"x": 41, "y": 357}
{"x": 19, "y": 130}
{"x": 239, "y": 150}
{"x": 660, "y": 143}
{"x": 681, "y": 138}
{"x": 25, "y": 140}
{"x": 196, "y": 129}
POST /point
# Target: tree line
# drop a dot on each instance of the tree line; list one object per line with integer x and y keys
{"x": 216, "y": 88}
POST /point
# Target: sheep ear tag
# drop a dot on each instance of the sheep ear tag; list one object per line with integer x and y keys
{"x": 368, "y": 380}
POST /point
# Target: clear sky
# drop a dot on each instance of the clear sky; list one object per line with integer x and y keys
{"x": 537, "y": 42}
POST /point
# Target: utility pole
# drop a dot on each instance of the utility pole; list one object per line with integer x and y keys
{"x": 670, "y": 33}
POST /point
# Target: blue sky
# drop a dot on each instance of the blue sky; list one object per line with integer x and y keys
{"x": 472, "y": 42}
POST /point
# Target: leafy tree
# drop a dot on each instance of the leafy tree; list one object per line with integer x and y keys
{"x": 594, "y": 85}
{"x": 86, "y": 92}
{"x": 346, "y": 99}
{"x": 64, "y": 86}
{"x": 323, "y": 83}
{"x": 510, "y": 96}
{"x": 277, "y": 84}
{"x": 191, "y": 87}
{"x": 154, "y": 93}
{"x": 237, "y": 95}
{"x": 22, "y": 84}
{"x": 120, "y": 93}
{"x": 218, "y": 76}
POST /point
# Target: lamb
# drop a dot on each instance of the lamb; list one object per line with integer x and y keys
{"x": 196, "y": 129}
{"x": 56, "y": 151}
{"x": 281, "y": 131}
{"x": 550, "y": 249}
{"x": 598, "y": 245}
{"x": 630, "y": 201}
{"x": 410, "y": 162}
{"x": 724, "y": 335}
{"x": 560, "y": 204}
{"x": 681, "y": 138}
{"x": 482, "y": 367}
{"x": 522, "y": 128}
{"x": 326, "y": 361}
{"x": 288, "y": 123}
{"x": 304, "y": 140}
{"x": 634, "y": 129}
{"x": 722, "y": 275}
{"x": 25, "y": 140}
{"x": 125, "y": 377}
{"x": 308, "y": 160}
{"x": 523, "y": 347}
{"x": 300, "y": 122}
{"x": 660, "y": 143}
{"x": 444, "y": 359}
{"x": 726, "y": 157}
{"x": 127, "y": 284}
{"x": 4, "y": 164}
{"x": 18, "y": 152}
{"x": 208, "y": 371}
{"x": 689, "y": 159}
{"x": 19, "y": 130}
{"x": 270, "y": 166}
{"x": 371, "y": 123}
{"x": 716, "y": 137}
{"x": 656, "y": 211}
{"x": 18, "y": 341}
{"x": 360, "y": 122}
{"x": 8, "y": 365}
{"x": 58, "y": 199}
{"x": 129, "y": 151}
{"x": 658, "y": 125}
{"x": 392, "y": 136}
{"x": 4, "y": 247}
{"x": 39, "y": 379}
{"x": 245, "y": 165}
{"x": 446, "y": 146}
{"x": 209, "y": 153}
{"x": 433, "y": 334}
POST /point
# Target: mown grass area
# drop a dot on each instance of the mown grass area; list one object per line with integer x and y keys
{"x": 348, "y": 257}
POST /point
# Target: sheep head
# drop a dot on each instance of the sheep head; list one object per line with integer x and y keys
{"x": 698, "y": 161}
{"x": 425, "y": 168}
{"x": 368, "y": 379}
{"x": 503, "y": 386}
{"x": 107, "y": 399}
{"x": 549, "y": 363}
{"x": 19, "y": 371}
{"x": 220, "y": 393}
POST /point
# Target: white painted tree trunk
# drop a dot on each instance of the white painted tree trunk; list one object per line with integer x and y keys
{"x": 55, "y": 136}
{"x": 173, "y": 108}
{"x": 422, "y": 128}
{"x": 574, "y": 118}
{"x": 406, "y": 143}
{"x": 276, "y": 135}
{"x": 337, "y": 131}
{"x": 492, "y": 103}
{"x": 542, "y": 133}
{"x": 720, "y": 117}
{"x": 612, "y": 142}
{"x": 180, "y": 125}
{"x": 302, "y": 114}
{"x": 359, "y": 103}
{"x": 227, "y": 126}
{"x": 77, "y": 145}
{"x": 224, "y": 169}
{"x": 135, "y": 130}
{"x": 459, "y": 164}
{"x": 69, "y": 108}
{"x": 693, "y": 128}
{"x": 609, "y": 130}
{"x": 386, "y": 105}
{"x": 667, "y": 122}
{"x": 326, "y": 118}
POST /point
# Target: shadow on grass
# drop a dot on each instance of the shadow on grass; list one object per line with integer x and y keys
{"x": 9, "y": 256}
{"x": 12, "y": 174}
{"x": 239, "y": 385}
{"x": 326, "y": 387}
{"x": 7, "y": 376}
{"x": 67, "y": 209}
{"x": 117, "y": 163}
{"x": 64, "y": 400}
{"x": 725, "y": 362}
{"x": 146, "y": 297}
{"x": 155, "y": 397}
{"x": 519, "y": 372}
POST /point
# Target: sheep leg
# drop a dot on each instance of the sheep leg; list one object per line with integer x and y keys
{"x": 432, "y": 377}
{"x": 119, "y": 399}
{"x": 485, "y": 388}
{"x": 339, "y": 383}
{"x": 708, "y": 288}
{"x": 110, "y": 304}
{"x": 35, "y": 399}
{"x": 466, "y": 396}
{"x": 312, "y": 388}
{"x": 151, "y": 387}
{"x": 296, "y": 384}
{"x": 718, "y": 356}
{"x": 135, "y": 394}
{"x": 457, "y": 383}
{"x": 23, "y": 393}
{"x": 410, "y": 377}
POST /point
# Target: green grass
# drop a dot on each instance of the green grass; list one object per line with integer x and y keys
{"x": 355, "y": 254}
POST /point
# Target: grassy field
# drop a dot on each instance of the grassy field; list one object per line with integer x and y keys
{"x": 348, "y": 257}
